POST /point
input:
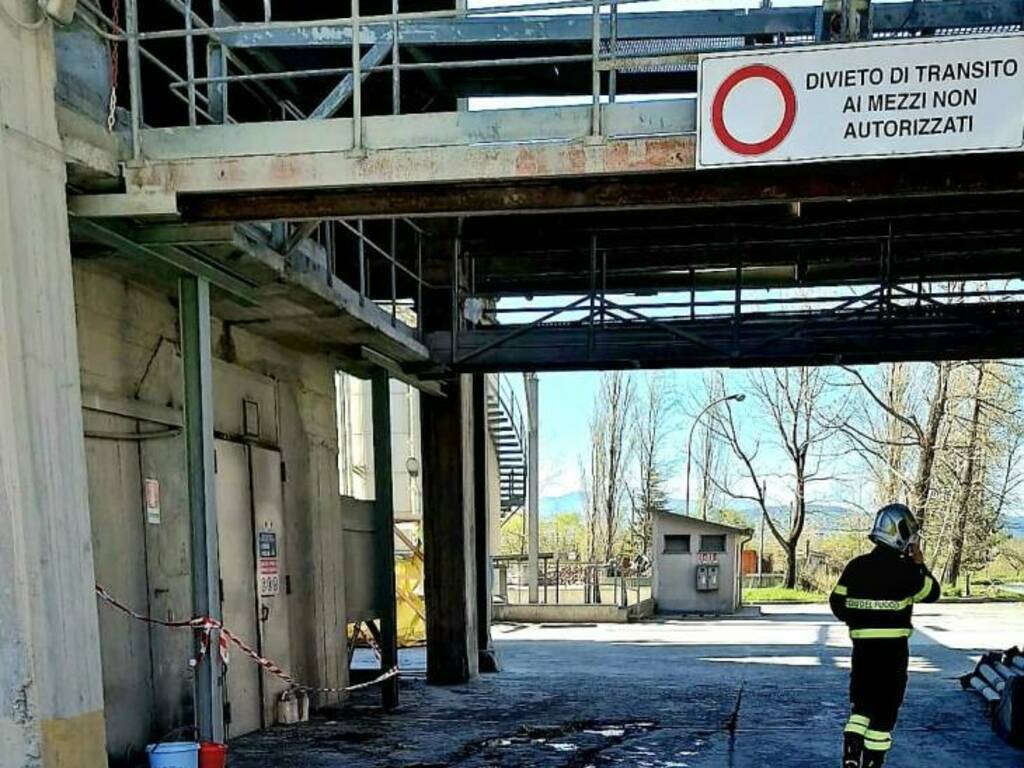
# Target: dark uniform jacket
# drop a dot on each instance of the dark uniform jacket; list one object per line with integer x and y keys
{"x": 875, "y": 595}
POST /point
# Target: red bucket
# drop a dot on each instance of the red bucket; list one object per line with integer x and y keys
{"x": 213, "y": 755}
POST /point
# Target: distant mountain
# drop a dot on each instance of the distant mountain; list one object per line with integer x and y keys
{"x": 574, "y": 501}
{"x": 550, "y": 506}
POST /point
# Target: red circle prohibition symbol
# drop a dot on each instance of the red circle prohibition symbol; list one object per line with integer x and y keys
{"x": 750, "y": 72}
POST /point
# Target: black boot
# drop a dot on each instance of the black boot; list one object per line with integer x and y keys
{"x": 853, "y": 748}
{"x": 873, "y": 759}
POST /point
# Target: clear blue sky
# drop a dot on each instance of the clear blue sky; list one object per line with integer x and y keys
{"x": 566, "y": 402}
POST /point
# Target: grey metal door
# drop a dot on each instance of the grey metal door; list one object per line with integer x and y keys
{"x": 238, "y": 583}
{"x": 271, "y": 570}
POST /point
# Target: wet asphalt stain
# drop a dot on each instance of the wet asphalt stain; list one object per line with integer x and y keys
{"x": 574, "y": 744}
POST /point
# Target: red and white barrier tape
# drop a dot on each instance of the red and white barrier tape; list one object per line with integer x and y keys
{"x": 207, "y": 625}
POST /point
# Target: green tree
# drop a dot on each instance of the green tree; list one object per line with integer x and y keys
{"x": 565, "y": 534}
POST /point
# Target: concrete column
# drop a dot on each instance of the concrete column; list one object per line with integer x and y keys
{"x": 51, "y": 689}
{"x": 384, "y": 505}
{"x": 449, "y": 535}
{"x": 533, "y": 486}
{"x": 482, "y": 510}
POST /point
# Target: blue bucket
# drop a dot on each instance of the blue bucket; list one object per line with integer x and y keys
{"x": 173, "y": 754}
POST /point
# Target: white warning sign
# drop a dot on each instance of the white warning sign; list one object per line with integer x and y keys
{"x": 879, "y": 99}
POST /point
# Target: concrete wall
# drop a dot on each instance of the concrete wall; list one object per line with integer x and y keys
{"x": 361, "y": 574}
{"x": 406, "y": 445}
{"x": 675, "y": 575}
{"x": 355, "y": 418}
{"x": 130, "y": 364}
{"x": 51, "y": 703}
{"x": 561, "y": 614}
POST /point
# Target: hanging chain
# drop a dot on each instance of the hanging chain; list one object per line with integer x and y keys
{"x": 115, "y": 14}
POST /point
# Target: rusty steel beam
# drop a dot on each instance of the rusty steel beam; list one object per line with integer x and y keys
{"x": 298, "y": 170}
{"x": 856, "y": 180}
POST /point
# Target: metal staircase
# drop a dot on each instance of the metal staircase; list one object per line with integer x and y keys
{"x": 507, "y": 427}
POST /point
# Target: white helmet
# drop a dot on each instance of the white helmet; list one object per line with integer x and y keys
{"x": 896, "y": 527}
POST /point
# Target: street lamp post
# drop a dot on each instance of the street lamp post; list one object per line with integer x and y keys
{"x": 739, "y": 398}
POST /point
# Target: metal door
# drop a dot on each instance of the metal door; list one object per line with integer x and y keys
{"x": 271, "y": 570}
{"x": 238, "y": 583}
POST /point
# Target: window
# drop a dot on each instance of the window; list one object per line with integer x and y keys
{"x": 712, "y": 542}
{"x": 677, "y": 544}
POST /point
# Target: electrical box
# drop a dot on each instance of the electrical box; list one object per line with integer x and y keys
{"x": 707, "y": 578}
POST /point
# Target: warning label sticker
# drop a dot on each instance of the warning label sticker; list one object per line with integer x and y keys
{"x": 879, "y": 99}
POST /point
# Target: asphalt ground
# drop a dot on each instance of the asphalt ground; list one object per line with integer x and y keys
{"x": 752, "y": 691}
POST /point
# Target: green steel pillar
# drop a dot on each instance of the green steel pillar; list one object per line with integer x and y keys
{"x": 197, "y": 362}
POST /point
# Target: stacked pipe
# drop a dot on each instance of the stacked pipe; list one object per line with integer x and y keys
{"x": 999, "y": 679}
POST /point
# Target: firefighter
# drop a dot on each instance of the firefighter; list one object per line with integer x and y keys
{"x": 875, "y": 597}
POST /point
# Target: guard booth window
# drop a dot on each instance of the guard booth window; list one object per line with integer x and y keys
{"x": 677, "y": 544}
{"x": 712, "y": 543}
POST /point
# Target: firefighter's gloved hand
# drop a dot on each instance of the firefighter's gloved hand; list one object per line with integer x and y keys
{"x": 916, "y": 554}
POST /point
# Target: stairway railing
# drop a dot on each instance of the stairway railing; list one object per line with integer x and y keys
{"x": 508, "y": 435}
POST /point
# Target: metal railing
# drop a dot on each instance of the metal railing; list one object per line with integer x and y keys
{"x": 512, "y": 479}
{"x": 564, "y": 581}
{"x": 503, "y": 392}
{"x": 326, "y": 233}
{"x": 381, "y": 32}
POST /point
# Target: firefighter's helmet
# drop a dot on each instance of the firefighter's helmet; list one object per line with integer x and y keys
{"x": 896, "y": 527}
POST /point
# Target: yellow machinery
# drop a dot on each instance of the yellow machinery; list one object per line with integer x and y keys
{"x": 412, "y": 615}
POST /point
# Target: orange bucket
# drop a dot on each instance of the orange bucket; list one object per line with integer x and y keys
{"x": 213, "y": 755}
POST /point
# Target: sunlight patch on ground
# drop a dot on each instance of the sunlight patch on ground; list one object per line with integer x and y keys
{"x": 782, "y": 661}
{"x": 917, "y": 664}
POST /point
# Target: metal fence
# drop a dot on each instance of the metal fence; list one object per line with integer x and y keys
{"x": 757, "y": 580}
{"x": 569, "y": 582}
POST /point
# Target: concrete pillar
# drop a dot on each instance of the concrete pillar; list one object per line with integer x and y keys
{"x": 533, "y": 486}
{"x": 449, "y": 535}
{"x": 482, "y": 512}
{"x": 384, "y": 506}
{"x": 51, "y": 689}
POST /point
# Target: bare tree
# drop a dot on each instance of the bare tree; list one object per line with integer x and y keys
{"x": 593, "y": 473}
{"x": 981, "y": 467}
{"x": 877, "y": 434}
{"x": 946, "y": 438}
{"x": 616, "y": 397}
{"x": 967, "y": 480}
{"x": 902, "y": 429}
{"x": 710, "y": 455}
{"x": 793, "y": 400}
{"x": 649, "y": 431}
{"x": 610, "y": 447}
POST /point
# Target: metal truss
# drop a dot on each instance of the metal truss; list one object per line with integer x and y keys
{"x": 883, "y": 323}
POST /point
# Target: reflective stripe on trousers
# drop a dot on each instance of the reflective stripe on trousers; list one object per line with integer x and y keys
{"x": 877, "y": 741}
{"x": 857, "y": 724}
